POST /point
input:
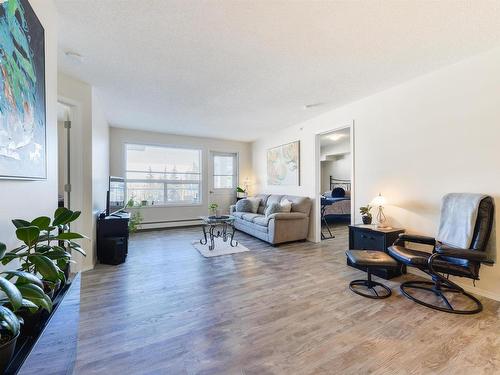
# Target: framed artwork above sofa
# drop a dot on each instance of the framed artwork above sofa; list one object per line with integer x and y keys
{"x": 283, "y": 164}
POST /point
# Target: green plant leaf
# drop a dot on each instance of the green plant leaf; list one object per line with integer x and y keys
{"x": 45, "y": 266}
{"x": 70, "y": 236}
{"x": 42, "y": 222}
{"x": 3, "y": 250}
{"x": 18, "y": 249}
{"x": 77, "y": 248}
{"x": 30, "y": 291}
{"x": 29, "y": 235}
{"x": 24, "y": 278}
{"x": 31, "y": 306}
{"x": 20, "y": 223}
{"x": 44, "y": 303}
{"x": 62, "y": 217}
{"x": 9, "y": 320}
{"x": 76, "y": 215}
{"x": 57, "y": 254}
{"x": 7, "y": 258}
{"x": 12, "y": 292}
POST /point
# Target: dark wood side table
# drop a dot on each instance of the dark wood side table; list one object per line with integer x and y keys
{"x": 369, "y": 237}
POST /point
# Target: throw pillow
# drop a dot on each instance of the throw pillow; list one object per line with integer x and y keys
{"x": 286, "y": 205}
{"x": 338, "y": 192}
{"x": 244, "y": 205}
{"x": 255, "y": 204}
{"x": 272, "y": 209}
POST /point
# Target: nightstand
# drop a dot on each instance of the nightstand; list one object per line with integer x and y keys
{"x": 369, "y": 237}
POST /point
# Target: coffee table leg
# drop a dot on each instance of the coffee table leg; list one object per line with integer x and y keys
{"x": 232, "y": 237}
{"x": 204, "y": 240}
{"x": 224, "y": 232}
{"x": 212, "y": 243}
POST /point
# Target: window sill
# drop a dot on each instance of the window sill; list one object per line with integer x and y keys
{"x": 169, "y": 205}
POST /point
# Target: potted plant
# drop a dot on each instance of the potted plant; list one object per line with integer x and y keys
{"x": 366, "y": 214}
{"x": 135, "y": 218}
{"x": 46, "y": 248}
{"x": 10, "y": 324}
{"x": 214, "y": 209}
{"x": 240, "y": 192}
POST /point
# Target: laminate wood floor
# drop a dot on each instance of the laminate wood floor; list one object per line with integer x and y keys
{"x": 284, "y": 310}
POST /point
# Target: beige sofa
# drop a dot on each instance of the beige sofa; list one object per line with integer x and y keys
{"x": 279, "y": 227}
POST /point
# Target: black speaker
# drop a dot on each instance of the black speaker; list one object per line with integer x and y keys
{"x": 115, "y": 250}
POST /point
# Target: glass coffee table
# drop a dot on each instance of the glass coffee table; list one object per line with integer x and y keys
{"x": 217, "y": 227}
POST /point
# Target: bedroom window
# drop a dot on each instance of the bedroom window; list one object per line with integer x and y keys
{"x": 162, "y": 175}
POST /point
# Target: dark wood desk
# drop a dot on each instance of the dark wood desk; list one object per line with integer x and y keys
{"x": 369, "y": 237}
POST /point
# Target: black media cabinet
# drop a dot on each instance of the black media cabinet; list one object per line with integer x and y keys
{"x": 112, "y": 238}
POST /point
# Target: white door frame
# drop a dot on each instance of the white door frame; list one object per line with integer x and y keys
{"x": 317, "y": 206}
{"x": 211, "y": 190}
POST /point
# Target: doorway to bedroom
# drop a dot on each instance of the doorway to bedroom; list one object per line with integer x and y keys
{"x": 335, "y": 181}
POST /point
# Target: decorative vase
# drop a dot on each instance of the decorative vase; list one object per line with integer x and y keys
{"x": 367, "y": 219}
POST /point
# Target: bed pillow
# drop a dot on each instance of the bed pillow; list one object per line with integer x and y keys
{"x": 338, "y": 192}
{"x": 244, "y": 205}
{"x": 285, "y": 206}
{"x": 255, "y": 204}
{"x": 272, "y": 209}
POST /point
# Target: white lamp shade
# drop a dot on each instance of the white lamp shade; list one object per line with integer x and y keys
{"x": 379, "y": 201}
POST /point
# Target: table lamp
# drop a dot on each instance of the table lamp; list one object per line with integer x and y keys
{"x": 380, "y": 201}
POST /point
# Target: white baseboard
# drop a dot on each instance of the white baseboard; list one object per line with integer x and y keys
{"x": 170, "y": 224}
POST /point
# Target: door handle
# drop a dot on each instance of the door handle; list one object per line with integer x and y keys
{"x": 211, "y": 192}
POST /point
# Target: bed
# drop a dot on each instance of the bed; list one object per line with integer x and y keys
{"x": 337, "y": 208}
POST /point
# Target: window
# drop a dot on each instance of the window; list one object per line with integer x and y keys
{"x": 158, "y": 175}
{"x": 224, "y": 171}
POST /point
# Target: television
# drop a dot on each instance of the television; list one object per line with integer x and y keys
{"x": 115, "y": 201}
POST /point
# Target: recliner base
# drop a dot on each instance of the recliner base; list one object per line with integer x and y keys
{"x": 438, "y": 289}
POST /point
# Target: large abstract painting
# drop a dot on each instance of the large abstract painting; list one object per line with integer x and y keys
{"x": 283, "y": 164}
{"x": 22, "y": 92}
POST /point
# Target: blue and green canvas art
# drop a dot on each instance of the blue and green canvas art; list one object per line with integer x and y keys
{"x": 22, "y": 92}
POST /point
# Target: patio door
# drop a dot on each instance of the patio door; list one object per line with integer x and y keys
{"x": 223, "y": 179}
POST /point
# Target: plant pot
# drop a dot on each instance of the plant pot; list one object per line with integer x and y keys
{"x": 367, "y": 219}
{"x": 32, "y": 322}
{"x": 7, "y": 350}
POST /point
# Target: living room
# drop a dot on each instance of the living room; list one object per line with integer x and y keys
{"x": 165, "y": 207}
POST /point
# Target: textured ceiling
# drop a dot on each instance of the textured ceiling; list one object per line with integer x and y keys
{"x": 239, "y": 69}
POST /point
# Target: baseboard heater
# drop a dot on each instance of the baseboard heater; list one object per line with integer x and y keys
{"x": 170, "y": 223}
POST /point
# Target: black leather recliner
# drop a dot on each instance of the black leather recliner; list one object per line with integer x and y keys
{"x": 445, "y": 261}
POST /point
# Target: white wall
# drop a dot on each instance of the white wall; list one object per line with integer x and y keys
{"x": 433, "y": 135}
{"x": 119, "y": 137}
{"x": 89, "y": 159}
{"x": 338, "y": 167}
{"x": 29, "y": 199}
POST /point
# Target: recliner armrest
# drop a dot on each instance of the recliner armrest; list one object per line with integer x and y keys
{"x": 415, "y": 238}
{"x": 288, "y": 216}
{"x": 473, "y": 255}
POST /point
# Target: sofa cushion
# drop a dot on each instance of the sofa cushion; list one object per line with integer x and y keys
{"x": 261, "y": 220}
{"x": 252, "y": 228}
{"x": 300, "y": 204}
{"x": 263, "y": 203}
{"x": 249, "y": 216}
{"x": 244, "y": 205}
{"x": 255, "y": 202}
{"x": 272, "y": 209}
{"x": 239, "y": 214}
{"x": 285, "y": 206}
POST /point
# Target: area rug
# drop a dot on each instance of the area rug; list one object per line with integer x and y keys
{"x": 221, "y": 248}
